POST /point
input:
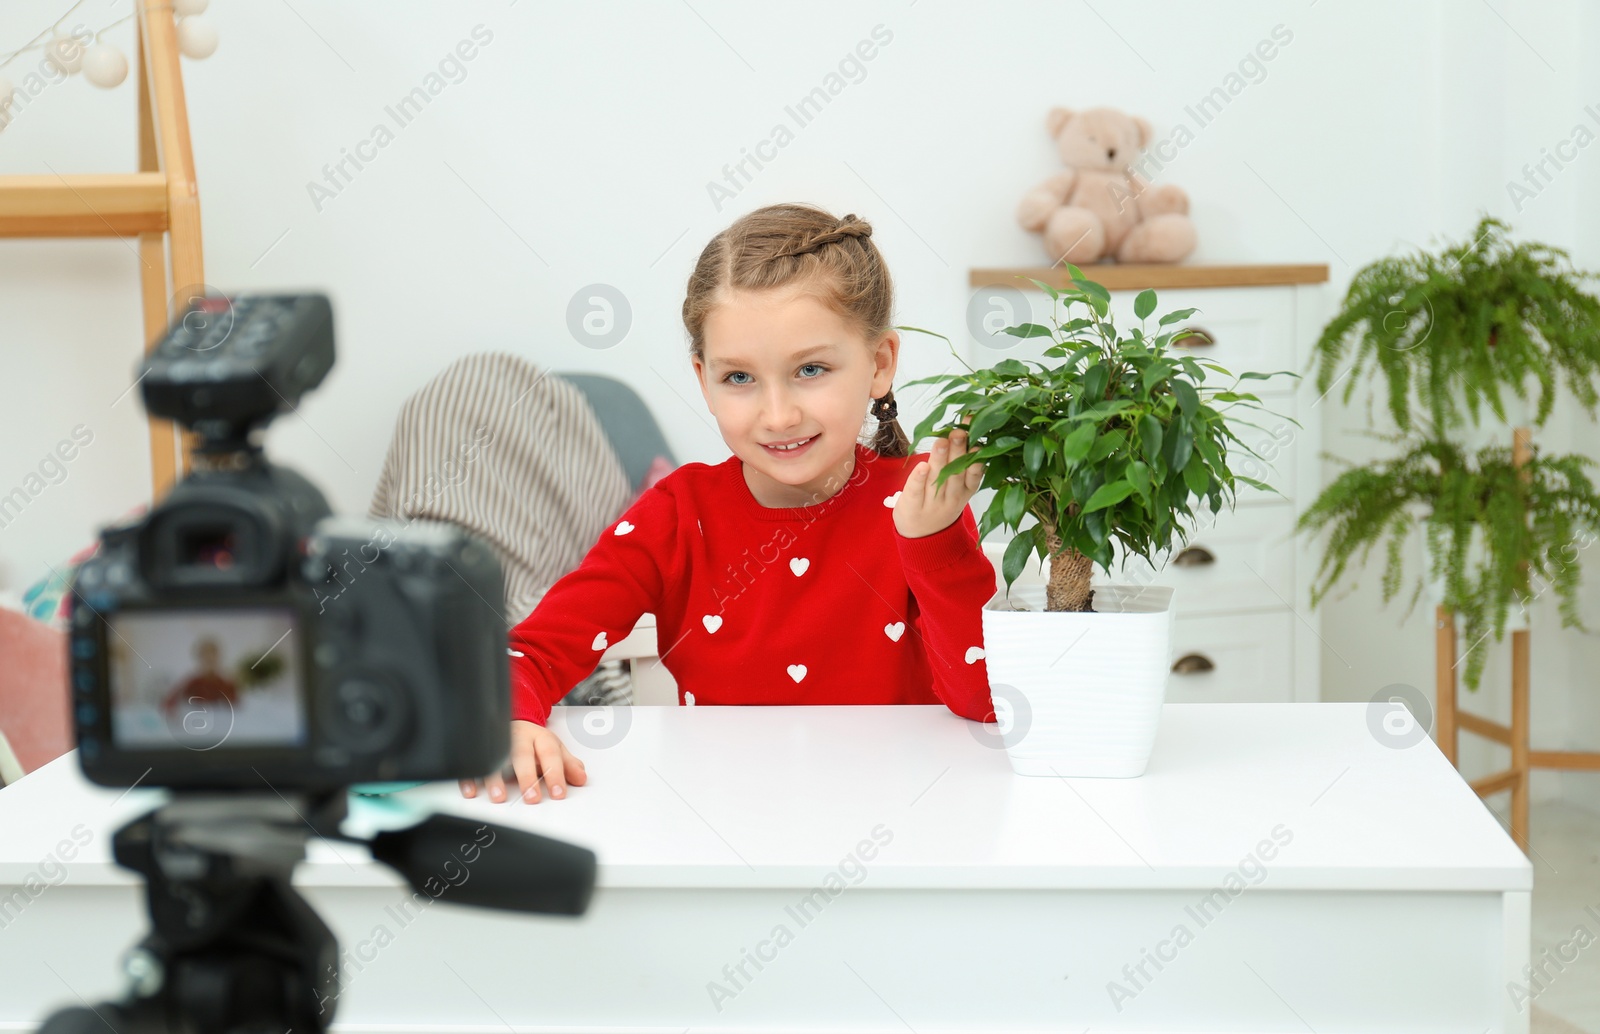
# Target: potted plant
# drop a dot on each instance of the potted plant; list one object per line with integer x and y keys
{"x": 1475, "y": 327}
{"x": 1096, "y": 456}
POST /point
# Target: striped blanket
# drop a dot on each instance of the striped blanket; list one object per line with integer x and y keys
{"x": 516, "y": 455}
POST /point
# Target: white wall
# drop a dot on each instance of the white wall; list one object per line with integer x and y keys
{"x": 579, "y": 146}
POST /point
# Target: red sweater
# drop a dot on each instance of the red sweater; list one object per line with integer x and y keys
{"x": 822, "y": 604}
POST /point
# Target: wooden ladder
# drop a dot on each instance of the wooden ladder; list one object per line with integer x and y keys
{"x": 159, "y": 204}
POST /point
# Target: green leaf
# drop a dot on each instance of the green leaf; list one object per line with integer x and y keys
{"x": 1094, "y": 381}
{"x": 1101, "y": 411}
{"x": 994, "y": 415}
{"x": 1253, "y": 483}
{"x": 919, "y": 330}
{"x": 1027, "y": 330}
{"x": 1139, "y": 477}
{"x": 1196, "y": 476}
{"x": 1092, "y": 289}
{"x": 1033, "y": 454}
{"x": 1046, "y": 288}
{"x": 1145, "y": 303}
{"x": 1078, "y": 443}
{"x": 1096, "y": 525}
{"x": 1017, "y": 553}
{"x": 1182, "y": 448}
{"x": 956, "y": 466}
{"x": 1188, "y": 399}
{"x": 1150, "y": 433}
{"x": 928, "y": 423}
{"x": 1156, "y": 372}
{"x": 1107, "y": 444}
{"x": 1175, "y": 315}
{"x": 999, "y": 447}
{"x": 1016, "y": 498}
{"x": 1108, "y": 495}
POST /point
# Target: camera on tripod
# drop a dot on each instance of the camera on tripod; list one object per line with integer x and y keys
{"x": 240, "y": 633}
{"x": 255, "y": 653}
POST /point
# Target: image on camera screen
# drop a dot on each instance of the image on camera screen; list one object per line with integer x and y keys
{"x": 201, "y": 678}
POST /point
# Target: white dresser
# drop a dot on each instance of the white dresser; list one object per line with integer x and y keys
{"x": 1244, "y": 629}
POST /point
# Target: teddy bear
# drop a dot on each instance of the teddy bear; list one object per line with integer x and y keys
{"x": 1099, "y": 208}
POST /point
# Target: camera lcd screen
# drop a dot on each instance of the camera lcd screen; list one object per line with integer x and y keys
{"x": 206, "y": 678}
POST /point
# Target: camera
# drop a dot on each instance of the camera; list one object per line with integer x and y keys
{"x": 240, "y": 634}
{"x": 247, "y": 648}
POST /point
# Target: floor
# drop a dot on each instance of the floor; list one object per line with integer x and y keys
{"x": 1564, "y": 841}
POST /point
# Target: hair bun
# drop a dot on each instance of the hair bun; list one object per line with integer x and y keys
{"x": 855, "y": 227}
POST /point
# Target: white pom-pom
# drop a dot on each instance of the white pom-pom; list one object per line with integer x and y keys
{"x": 197, "y": 38}
{"x": 64, "y": 52}
{"x": 189, "y": 8}
{"x": 105, "y": 66}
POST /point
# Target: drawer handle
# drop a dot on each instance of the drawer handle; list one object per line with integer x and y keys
{"x": 1194, "y": 337}
{"x": 1195, "y": 556}
{"x": 1192, "y": 664}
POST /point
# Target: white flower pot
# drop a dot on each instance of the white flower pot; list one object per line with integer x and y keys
{"x": 1083, "y": 690}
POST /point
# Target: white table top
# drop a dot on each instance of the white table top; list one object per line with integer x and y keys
{"x": 779, "y": 796}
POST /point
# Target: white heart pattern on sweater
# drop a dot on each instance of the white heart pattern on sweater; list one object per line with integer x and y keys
{"x": 797, "y": 671}
{"x": 895, "y": 631}
{"x": 599, "y": 642}
{"x": 712, "y": 622}
{"x": 973, "y": 653}
{"x": 798, "y": 565}
{"x": 890, "y": 500}
{"x": 624, "y": 528}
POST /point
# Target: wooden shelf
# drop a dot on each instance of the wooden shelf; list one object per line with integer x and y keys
{"x": 115, "y": 205}
{"x": 1116, "y": 277}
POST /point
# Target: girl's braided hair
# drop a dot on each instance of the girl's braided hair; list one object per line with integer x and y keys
{"x": 788, "y": 244}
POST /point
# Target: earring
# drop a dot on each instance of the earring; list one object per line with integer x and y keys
{"x": 885, "y": 409}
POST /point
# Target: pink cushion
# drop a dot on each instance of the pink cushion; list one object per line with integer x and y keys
{"x": 33, "y": 690}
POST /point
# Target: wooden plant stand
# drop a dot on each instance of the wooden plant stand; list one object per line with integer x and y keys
{"x": 1451, "y": 719}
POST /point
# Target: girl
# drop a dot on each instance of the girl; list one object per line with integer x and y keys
{"x": 808, "y": 567}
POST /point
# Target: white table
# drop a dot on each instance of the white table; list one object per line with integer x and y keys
{"x": 996, "y": 902}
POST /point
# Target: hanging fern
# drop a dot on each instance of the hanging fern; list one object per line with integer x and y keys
{"x": 1443, "y": 330}
{"x": 1473, "y": 320}
{"x": 1459, "y": 501}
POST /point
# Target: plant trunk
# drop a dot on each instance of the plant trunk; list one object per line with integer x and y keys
{"x": 1068, "y": 588}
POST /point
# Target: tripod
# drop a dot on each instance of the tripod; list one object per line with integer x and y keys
{"x": 234, "y": 948}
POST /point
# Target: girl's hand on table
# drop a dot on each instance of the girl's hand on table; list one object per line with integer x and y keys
{"x": 536, "y": 753}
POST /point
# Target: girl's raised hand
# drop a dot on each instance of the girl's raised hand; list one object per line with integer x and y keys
{"x": 925, "y": 507}
{"x": 536, "y": 753}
